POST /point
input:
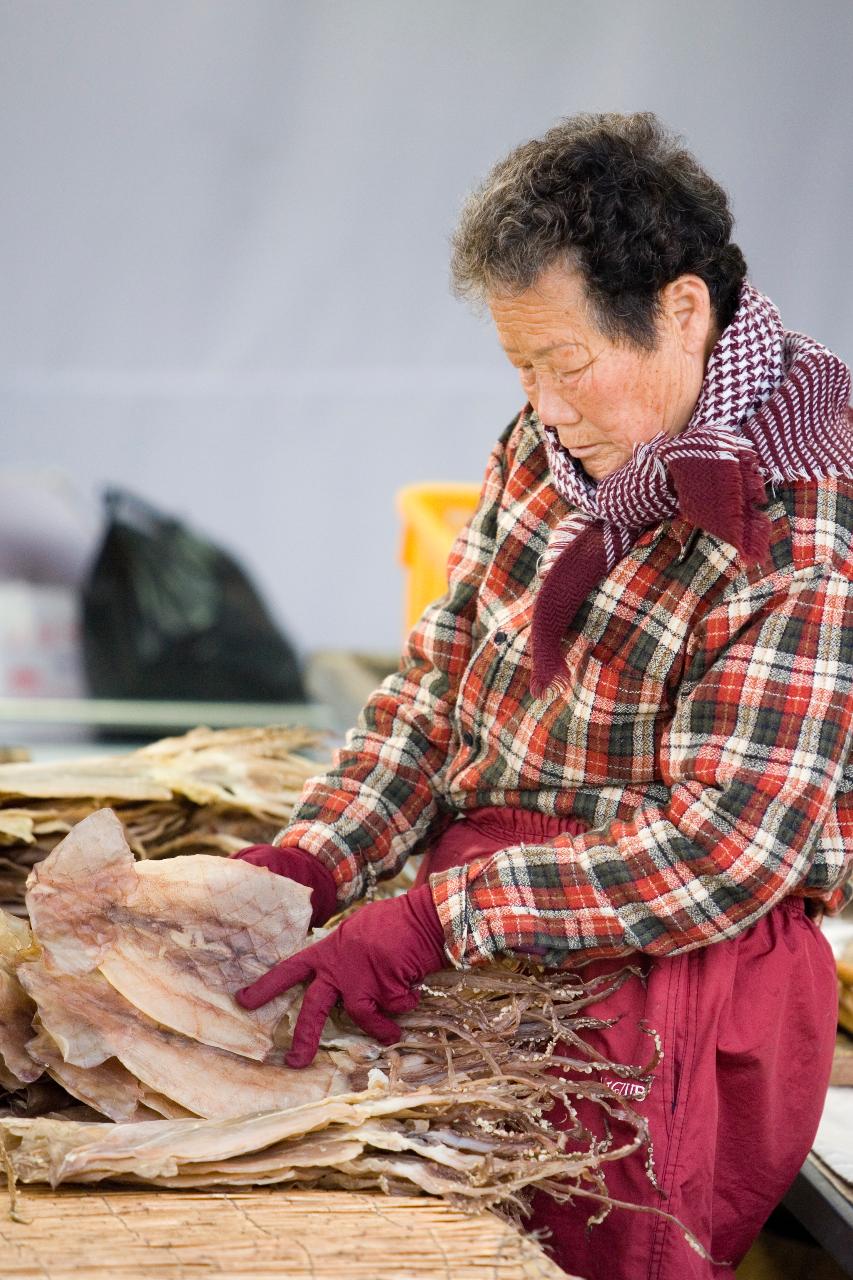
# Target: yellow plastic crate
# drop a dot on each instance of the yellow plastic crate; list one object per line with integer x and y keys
{"x": 432, "y": 516}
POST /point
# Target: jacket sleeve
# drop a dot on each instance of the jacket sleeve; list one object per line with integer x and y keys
{"x": 753, "y": 757}
{"x": 382, "y": 798}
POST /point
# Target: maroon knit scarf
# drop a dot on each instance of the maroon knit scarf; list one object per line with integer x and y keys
{"x": 773, "y": 408}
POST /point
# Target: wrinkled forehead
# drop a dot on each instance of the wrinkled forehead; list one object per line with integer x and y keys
{"x": 552, "y": 314}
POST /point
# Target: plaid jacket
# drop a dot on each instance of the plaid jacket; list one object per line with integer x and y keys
{"x": 704, "y": 732}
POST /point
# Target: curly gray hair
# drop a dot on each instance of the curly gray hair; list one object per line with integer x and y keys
{"x": 618, "y": 197}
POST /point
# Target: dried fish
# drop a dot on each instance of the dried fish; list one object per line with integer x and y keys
{"x": 138, "y": 964}
{"x": 16, "y": 1008}
{"x": 131, "y": 969}
{"x": 164, "y": 1149}
{"x": 211, "y": 791}
{"x": 107, "y": 1087}
{"x": 177, "y": 938}
{"x": 90, "y": 1022}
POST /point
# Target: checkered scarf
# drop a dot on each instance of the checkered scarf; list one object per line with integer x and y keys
{"x": 773, "y": 408}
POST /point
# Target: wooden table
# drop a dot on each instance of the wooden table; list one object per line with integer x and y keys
{"x": 819, "y": 1201}
{"x": 262, "y": 1234}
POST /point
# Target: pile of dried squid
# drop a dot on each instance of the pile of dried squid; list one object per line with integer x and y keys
{"x": 211, "y": 791}
{"x": 118, "y": 1021}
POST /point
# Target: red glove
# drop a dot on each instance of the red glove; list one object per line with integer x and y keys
{"x": 370, "y": 963}
{"x": 302, "y": 867}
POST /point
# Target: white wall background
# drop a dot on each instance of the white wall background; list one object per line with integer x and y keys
{"x": 223, "y": 240}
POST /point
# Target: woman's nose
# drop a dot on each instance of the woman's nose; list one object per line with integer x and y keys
{"x": 552, "y": 405}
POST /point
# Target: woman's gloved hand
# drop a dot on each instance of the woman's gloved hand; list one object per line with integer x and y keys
{"x": 304, "y": 868}
{"x": 370, "y": 963}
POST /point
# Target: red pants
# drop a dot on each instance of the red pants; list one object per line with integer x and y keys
{"x": 748, "y": 1029}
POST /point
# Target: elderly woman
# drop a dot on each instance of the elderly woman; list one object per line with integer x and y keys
{"x": 625, "y": 730}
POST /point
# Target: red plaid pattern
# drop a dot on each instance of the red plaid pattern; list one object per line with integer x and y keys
{"x": 702, "y": 727}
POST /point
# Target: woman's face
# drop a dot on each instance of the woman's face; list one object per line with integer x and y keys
{"x": 602, "y": 397}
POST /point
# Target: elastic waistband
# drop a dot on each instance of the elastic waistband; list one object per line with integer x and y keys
{"x": 522, "y": 825}
{"x": 799, "y": 905}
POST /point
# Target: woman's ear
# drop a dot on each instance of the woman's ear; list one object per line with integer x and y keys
{"x": 686, "y": 305}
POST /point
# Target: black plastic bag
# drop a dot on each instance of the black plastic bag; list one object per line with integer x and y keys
{"x": 167, "y": 614}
